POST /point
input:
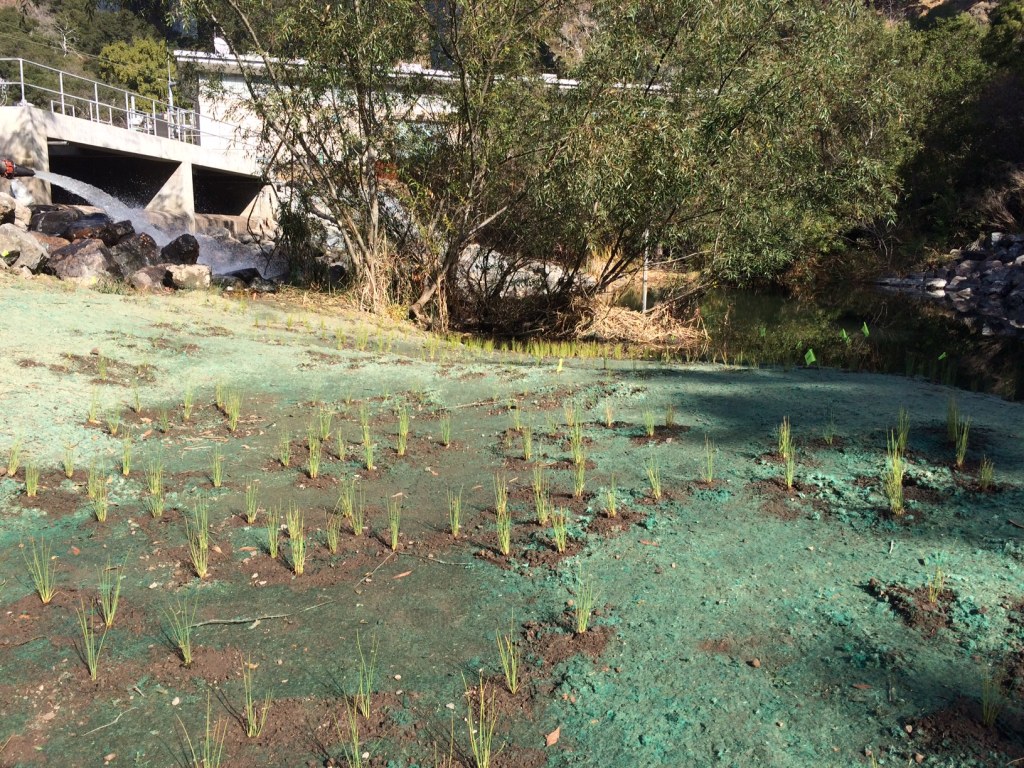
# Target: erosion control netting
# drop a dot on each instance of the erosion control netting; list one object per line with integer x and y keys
{"x": 736, "y": 621}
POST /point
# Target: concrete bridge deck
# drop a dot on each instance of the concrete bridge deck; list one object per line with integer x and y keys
{"x": 154, "y": 159}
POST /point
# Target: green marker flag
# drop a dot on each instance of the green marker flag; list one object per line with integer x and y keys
{"x": 809, "y": 357}
{"x": 942, "y": 356}
{"x": 864, "y": 329}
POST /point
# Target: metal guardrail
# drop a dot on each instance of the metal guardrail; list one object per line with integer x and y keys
{"x": 28, "y": 83}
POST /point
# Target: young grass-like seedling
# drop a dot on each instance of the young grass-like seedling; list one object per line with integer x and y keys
{"x": 297, "y": 539}
{"x": 583, "y": 606}
{"x": 559, "y": 528}
{"x": 785, "y": 438}
{"x": 253, "y": 713}
{"x": 670, "y": 416}
{"x": 653, "y": 469}
{"x": 90, "y": 650}
{"x": 648, "y": 417}
{"x": 500, "y": 494}
{"x": 42, "y": 569}
{"x": 527, "y": 434}
{"x": 515, "y": 415}
{"x": 233, "y": 409}
{"x": 136, "y": 398}
{"x": 363, "y": 699}
{"x": 69, "y": 460}
{"x": 579, "y": 479}
{"x": 576, "y": 445}
{"x": 127, "y": 447}
{"x": 350, "y": 735}
{"x": 789, "y": 466}
{"x": 903, "y": 429}
{"x": 155, "y": 476}
{"x": 197, "y": 531}
{"x": 368, "y": 461}
{"x": 315, "y": 454}
{"x": 936, "y": 586}
{"x": 252, "y": 501}
{"x": 403, "y": 429}
{"x": 455, "y": 512}
{"x": 394, "y": 520}
{"x": 332, "y": 531}
{"x": 94, "y": 482}
{"x": 164, "y": 420}
{"x": 708, "y": 468}
{"x": 93, "y": 415}
{"x": 284, "y": 449}
{"x": 217, "y": 468}
{"x": 31, "y": 479}
{"x": 611, "y": 501}
{"x": 992, "y": 700}
{"x": 180, "y": 622}
{"x": 211, "y": 748}
{"x": 482, "y": 721}
{"x": 830, "y": 430}
{"x": 571, "y": 410}
{"x": 446, "y": 429}
{"x": 273, "y": 531}
{"x": 188, "y": 402}
{"x": 101, "y": 503}
{"x": 325, "y": 418}
{"x": 962, "y": 430}
{"x": 892, "y": 480}
{"x": 986, "y": 473}
{"x": 503, "y": 526}
{"x": 609, "y": 415}
{"x": 510, "y": 656}
{"x": 110, "y": 591}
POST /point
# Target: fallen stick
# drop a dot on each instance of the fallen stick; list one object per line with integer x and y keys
{"x": 254, "y": 619}
{"x": 113, "y": 722}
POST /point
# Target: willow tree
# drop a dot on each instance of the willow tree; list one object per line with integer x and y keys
{"x": 321, "y": 79}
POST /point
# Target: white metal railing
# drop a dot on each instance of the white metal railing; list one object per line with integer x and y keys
{"x": 27, "y": 83}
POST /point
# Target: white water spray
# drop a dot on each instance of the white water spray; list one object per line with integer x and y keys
{"x": 221, "y": 256}
{"x": 114, "y": 208}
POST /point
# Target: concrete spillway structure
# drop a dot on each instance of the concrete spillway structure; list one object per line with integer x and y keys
{"x": 156, "y": 159}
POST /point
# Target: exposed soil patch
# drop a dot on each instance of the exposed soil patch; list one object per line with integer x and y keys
{"x": 958, "y": 729}
{"x": 919, "y": 608}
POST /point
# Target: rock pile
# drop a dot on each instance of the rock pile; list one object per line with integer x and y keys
{"x": 86, "y": 246}
{"x": 983, "y": 283}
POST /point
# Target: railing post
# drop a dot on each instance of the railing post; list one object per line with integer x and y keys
{"x": 96, "y": 100}
{"x": 21, "y": 73}
{"x": 63, "y": 108}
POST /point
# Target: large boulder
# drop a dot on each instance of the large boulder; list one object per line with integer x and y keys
{"x": 19, "y": 248}
{"x": 53, "y": 219}
{"x": 181, "y": 250}
{"x": 50, "y": 242}
{"x": 13, "y": 212}
{"x": 134, "y": 253}
{"x": 189, "y": 276}
{"x": 99, "y": 227}
{"x": 152, "y": 278}
{"x": 86, "y": 227}
{"x": 85, "y": 261}
{"x": 7, "y": 207}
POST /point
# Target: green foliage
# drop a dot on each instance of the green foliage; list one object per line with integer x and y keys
{"x": 1004, "y": 42}
{"x": 140, "y": 65}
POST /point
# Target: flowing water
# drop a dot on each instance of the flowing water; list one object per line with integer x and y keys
{"x": 114, "y": 208}
{"x": 220, "y": 255}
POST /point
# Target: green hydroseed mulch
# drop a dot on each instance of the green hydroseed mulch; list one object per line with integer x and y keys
{"x": 742, "y": 625}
